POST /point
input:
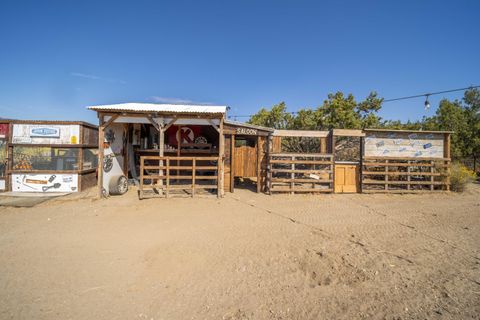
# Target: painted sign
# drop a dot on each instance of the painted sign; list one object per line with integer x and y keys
{"x": 45, "y": 182}
{"x": 246, "y": 131}
{"x": 45, "y": 134}
{"x": 405, "y": 145}
{"x": 185, "y": 135}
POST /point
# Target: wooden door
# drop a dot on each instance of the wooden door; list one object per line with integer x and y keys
{"x": 346, "y": 178}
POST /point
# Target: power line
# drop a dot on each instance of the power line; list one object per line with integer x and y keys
{"x": 430, "y": 94}
{"x": 390, "y": 100}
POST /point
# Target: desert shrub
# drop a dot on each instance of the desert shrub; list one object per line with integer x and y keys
{"x": 460, "y": 177}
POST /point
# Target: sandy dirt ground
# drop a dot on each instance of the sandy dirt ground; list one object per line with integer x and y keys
{"x": 247, "y": 256}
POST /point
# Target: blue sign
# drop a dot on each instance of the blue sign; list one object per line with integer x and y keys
{"x": 45, "y": 132}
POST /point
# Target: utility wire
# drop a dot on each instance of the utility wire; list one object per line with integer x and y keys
{"x": 430, "y": 94}
{"x": 394, "y": 99}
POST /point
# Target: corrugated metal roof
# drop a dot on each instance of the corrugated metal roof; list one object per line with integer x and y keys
{"x": 163, "y": 108}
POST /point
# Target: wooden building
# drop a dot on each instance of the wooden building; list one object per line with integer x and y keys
{"x": 168, "y": 149}
{"x": 177, "y": 149}
{"x": 246, "y": 151}
{"x": 190, "y": 150}
{"x": 47, "y": 156}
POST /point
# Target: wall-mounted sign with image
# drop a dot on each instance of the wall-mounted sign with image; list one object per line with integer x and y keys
{"x": 45, "y": 132}
{"x": 45, "y": 182}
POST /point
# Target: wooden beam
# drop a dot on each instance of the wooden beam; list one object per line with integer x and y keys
{"x": 214, "y": 125}
{"x": 168, "y": 125}
{"x": 101, "y": 141}
{"x": 153, "y": 122}
{"x": 232, "y": 163}
{"x": 348, "y": 133}
{"x": 221, "y": 156}
{"x": 300, "y": 133}
{"x": 110, "y": 121}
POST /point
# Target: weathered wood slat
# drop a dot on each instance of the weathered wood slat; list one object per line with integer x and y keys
{"x": 319, "y": 171}
{"x": 382, "y": 182}
{"x": 300, "y": 161}
{"x": 301, "y": 190}
{"x": 411, "y": 173}
{"x": 295, "y": 180}
{"x": 186, "y": 170}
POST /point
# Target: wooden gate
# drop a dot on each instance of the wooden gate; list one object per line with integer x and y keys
{"x": 346, "y": 178}
{"x": 245, "y": 162}
{"x": 300, "y": 173}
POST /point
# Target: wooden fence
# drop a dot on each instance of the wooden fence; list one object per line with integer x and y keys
{"x": 178, "y": 176}
{"x": 400, "y": 175}
{"x": 299, "y": 173}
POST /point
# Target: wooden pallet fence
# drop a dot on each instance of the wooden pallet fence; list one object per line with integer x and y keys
{"x": 299, "y": 173}
{"x": 405, "y": 175}
{"x": 177, "y": 176}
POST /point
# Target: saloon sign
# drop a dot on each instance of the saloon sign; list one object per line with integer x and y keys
{"x": 246, "y": 131}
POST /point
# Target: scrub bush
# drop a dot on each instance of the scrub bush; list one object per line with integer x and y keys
{"x": 460, "y": 177}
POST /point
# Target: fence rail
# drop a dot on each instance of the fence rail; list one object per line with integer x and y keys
{"x": 300, "y": 173}
{"x": 177, "y": 176}
{"x": 400, "y": 175}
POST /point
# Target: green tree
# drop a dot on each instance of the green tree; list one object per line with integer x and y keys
{"x": 277, "y": 117}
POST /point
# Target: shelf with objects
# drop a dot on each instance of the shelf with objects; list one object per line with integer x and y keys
{"x": 51, "y": 156}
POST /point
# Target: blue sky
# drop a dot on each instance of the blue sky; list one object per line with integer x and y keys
{"x": 56, "y": 57}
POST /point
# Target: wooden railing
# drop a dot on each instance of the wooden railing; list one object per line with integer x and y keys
{"x": 299, "y": 173}
{"x": 177, "y": 176}
{"x": 399, "y": 175}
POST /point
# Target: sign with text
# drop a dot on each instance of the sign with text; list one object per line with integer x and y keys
{"x": 45, "y": 132}
{"x": 246, "y": 131}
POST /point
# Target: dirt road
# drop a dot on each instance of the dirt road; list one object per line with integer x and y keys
{"x": 247, "y": 256}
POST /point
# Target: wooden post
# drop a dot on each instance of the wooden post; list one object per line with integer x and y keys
{"x": 446, "y": 154}
{"x": 179, "y": 145}
{"x": 332, "y": 146}
{"x": 141, "y": 178}
{"x": 386, "y": 174}
{"x": 221, "y": 155}
{"x": 161, "y": 151}
{"x": 167, "y": 190}
{"x": 292, "y": 176}
{"x": 232, "y": 163}
{"x": 408, "y": 176}
{"x": 101, "y": 141}
{"x": 269, "y": 164}
{"x": 193, "y": 176}
{"x": 432, "y": 169}
{"x": 258, "y": 166}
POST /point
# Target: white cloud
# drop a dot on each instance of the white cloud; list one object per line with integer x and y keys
{"x": 176, "y": 100}
{"x": 95, "y": 77}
